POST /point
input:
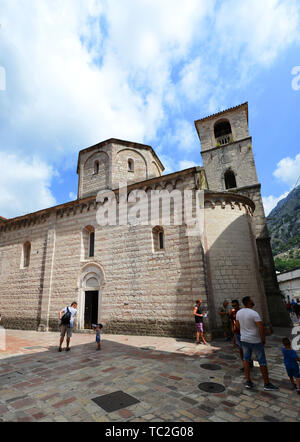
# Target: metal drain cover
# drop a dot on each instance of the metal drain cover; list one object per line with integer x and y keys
{"x": 212, "y": 367}
{"x": 148, "y": 348}
{"x": 227, "y": 357}
{"x": 115, "y": 401}
{"x": 211, "y": 387}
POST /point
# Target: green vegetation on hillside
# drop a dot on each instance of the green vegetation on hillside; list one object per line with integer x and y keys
{"x": 284, "y": 265}
{"x": 284, "y": 228}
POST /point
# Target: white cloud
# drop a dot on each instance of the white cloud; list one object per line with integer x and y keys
{"x": 245, "y": 37}
{"x": 185, "y": 164}
{"x": 169, "y": 163}
{"x": 183, "y": 136}
{"x": 72, "y": 196}
{"x": 78, "y": 72}
{"x": 257, "y": 31}
{"x": 288, "y": 170}
{"x": 72, "y": 83}
{"x": 270, "y": 202}
{"x": 25, "y": 185}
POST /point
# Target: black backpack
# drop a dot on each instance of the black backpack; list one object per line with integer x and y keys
{"x": 65, "y": 320}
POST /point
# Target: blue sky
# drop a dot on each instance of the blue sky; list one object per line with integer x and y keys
{"x": 81, "y": 71}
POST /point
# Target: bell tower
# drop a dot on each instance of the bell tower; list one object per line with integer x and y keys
{"x": 229, "y": 165}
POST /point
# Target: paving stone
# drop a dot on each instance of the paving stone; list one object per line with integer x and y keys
{"x": 23, "y": 403}
{"x": 186, "y": 414}
{"x": 60, "y": 386}
{"x": 270, "y": 418}
{"x": 64, "y": 403}
{"x": 228, "y": 404}
{"x": 207, "y": 409}
{"x": 226, "y": 416}
{"x": 289, "y": 413}
{"x": 216, "y": 419}
{"x": 242, "y": 415}
{"x": 189, "y": 401}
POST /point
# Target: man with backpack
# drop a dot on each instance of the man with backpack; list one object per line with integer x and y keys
{"x": 67, "y": 316}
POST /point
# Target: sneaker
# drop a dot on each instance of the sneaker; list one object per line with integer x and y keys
{"x": 60, "y": 349}
{"x": 270, "y": 387}
{"x": 68, "y": 349}
{"x": 250, "y": 385}
{"x": 294, "y": 387}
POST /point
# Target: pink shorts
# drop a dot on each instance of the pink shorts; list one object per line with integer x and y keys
{"x": 199, "y": 327}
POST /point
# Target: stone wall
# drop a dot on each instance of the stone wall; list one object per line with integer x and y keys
{"x": 237, "y": 157}
{"x": 113, "y": 157}
{"x": 139, "y": 163}
{"x": 231, "y": 253}
{"x": 92, "y": 181}
{"x": 21, "y": 288}
{"x": 278, "y": 313}
{"x": 141, "y": 292}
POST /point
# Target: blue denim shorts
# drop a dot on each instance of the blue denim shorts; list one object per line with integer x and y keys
{"x": 238, "y": 340}
{"x": 258, "y": 350}
{"x": 293, "y": 372}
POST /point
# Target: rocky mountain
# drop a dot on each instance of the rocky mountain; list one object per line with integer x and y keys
{"x": 284, "y": 227}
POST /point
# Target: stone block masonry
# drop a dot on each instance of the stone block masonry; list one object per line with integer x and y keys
{"x": 124, "y": 280}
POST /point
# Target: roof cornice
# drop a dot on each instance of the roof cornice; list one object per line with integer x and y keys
{"x": 210, "y": 117}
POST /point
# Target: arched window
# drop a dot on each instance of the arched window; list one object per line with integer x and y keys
{"x": 230, "y": 180}
{"x": 96, "y": 168}
{"x": 88, "y": 242}
{"x": 92, "y": 245}
{"x": 158, "y": 239}
{"x": 223, "y": 132}
{"x": 26, "y": 254}
{"x": 130, "y": 165}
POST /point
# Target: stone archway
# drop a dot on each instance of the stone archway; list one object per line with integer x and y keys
{"x": 92, "y": 279}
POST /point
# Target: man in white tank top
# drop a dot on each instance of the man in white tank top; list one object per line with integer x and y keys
{"x": 253, "y": 339}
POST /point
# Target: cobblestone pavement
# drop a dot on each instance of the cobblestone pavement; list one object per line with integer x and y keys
{"x": 39, "y": 384}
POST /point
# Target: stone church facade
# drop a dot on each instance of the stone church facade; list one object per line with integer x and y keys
{"x": 145, "y": 279}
